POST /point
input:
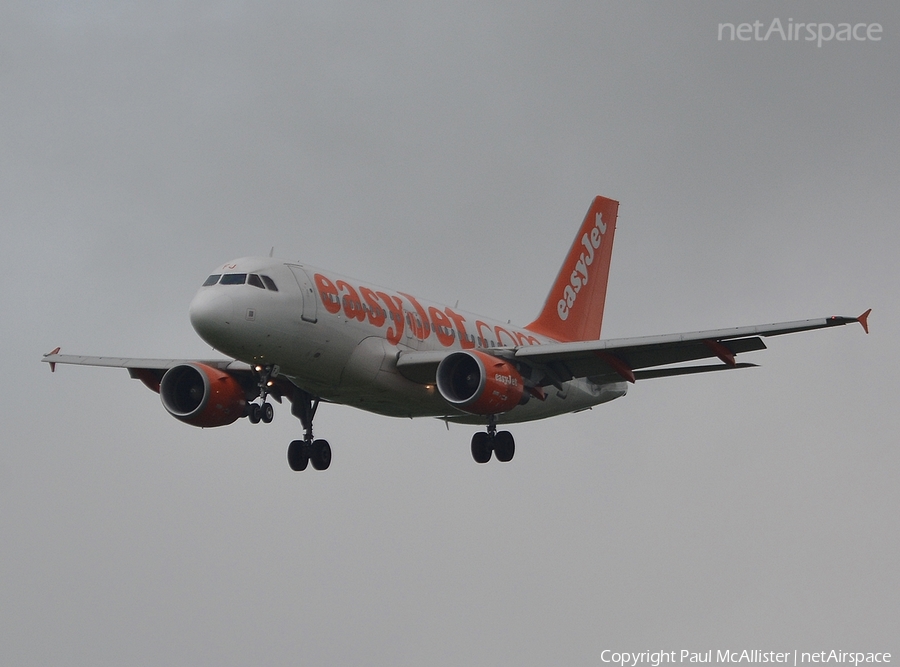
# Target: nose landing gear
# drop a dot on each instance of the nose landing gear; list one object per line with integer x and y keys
{"x": 262, "y": 411}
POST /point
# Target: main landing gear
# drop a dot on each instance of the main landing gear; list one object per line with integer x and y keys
{"x": 499, "y": 443}
{"x": 302, "y": 452}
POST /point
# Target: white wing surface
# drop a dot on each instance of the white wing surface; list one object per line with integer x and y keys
{"x": 633, "y": 358}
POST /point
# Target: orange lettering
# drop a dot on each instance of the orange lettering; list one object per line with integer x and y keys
{"x": 419, "y": 325}
{"x": 486, "y": 340}
{"x": 441, "y": 326}
{"x": 395, "y": 307}
{"x": 461, "y": 328}
{"x": 500, "y": 330}
{"x": 352, "y": 306}
{"x": 525, "y": 339}
{"x": 328, "y": 293}
{"x": 376, "y": 312}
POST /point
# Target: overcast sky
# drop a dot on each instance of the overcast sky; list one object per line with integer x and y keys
{"x": 450, "y": 150}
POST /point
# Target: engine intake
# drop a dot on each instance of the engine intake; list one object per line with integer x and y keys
{"x": 200, "y": 395}
{"x": 479, "y": 383}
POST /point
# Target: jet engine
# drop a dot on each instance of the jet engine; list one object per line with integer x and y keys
{"x": 479, "y": 383}
{"x": 200, "y": 395}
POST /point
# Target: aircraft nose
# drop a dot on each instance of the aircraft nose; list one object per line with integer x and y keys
{"x": 211, "y": 313}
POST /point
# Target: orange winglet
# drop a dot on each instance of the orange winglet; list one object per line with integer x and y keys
{"x": 52, "y": 363}
{"x": 864, "y": 320}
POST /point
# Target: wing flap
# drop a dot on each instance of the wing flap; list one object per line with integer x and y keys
{"x": 647, "y": 356}
{"x": 420, "y": 367}
{"x": 614, "y": 359}
{"x": 610, "y": 360}
{"x": 687, "y": 370}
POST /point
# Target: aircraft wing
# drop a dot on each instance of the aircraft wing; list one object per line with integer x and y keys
{"x": 633, "y": 359}
{"x": 148, "y": 371}
{"x": 146, "y": 364}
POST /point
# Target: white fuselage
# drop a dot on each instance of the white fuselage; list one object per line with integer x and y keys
{"x": 339, "y": 339}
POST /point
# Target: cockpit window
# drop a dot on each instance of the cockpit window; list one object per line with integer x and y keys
{"x": 262, "y": 282}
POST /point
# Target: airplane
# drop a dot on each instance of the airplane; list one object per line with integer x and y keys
{"x": 294, "y": 331}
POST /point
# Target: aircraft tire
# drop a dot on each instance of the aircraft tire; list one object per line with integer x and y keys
{"x": 253, "y": 414}
{"x": 320, "y": 454}
{"x": 297, "y": 455}
{"x": 504, "y": 446}
{"x": 481, "y": 447}
{"x": 267, "y": 413}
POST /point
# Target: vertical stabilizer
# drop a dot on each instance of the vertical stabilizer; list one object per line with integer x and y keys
{"x": 574, "y": 307}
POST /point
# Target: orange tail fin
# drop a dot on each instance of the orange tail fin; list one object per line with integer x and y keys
{"x": 574, "y": 307}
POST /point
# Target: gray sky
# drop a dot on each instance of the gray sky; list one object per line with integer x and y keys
{"x": 449, "y": 150}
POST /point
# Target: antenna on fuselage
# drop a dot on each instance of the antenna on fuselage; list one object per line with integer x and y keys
{"x": 272, "y": 252}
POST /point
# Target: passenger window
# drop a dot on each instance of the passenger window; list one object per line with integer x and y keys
{"x": 212, "y": 280}
{"x": 234, "y": 279}
{"x": 269, "y": 283}
{"x": 255, "y": 281}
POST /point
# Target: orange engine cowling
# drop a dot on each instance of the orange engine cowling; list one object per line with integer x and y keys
{"x": 479, "y": 383}
{"x": 200, "y": 395}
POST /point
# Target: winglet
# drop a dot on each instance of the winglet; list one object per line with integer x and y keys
{"x": 864, "y": 320}
{"x": 56, "y": 351}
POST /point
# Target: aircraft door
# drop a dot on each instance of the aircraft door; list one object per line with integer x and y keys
{"x": 308, "y": 292}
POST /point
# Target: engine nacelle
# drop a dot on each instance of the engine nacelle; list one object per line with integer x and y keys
{"x": 200, "y": 395}
{"x": 479, "y": 383}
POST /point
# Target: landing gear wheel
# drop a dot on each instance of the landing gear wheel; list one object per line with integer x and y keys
{"x": 481, "y": 447}
{"x": 298, "y": 455}
{"x": 320, "y": 454}
{"x": 302, "y": 452}
{"x": 254, "y": 414}
{"x": 504, "y": 446}
{"x": 267, "y": 413}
